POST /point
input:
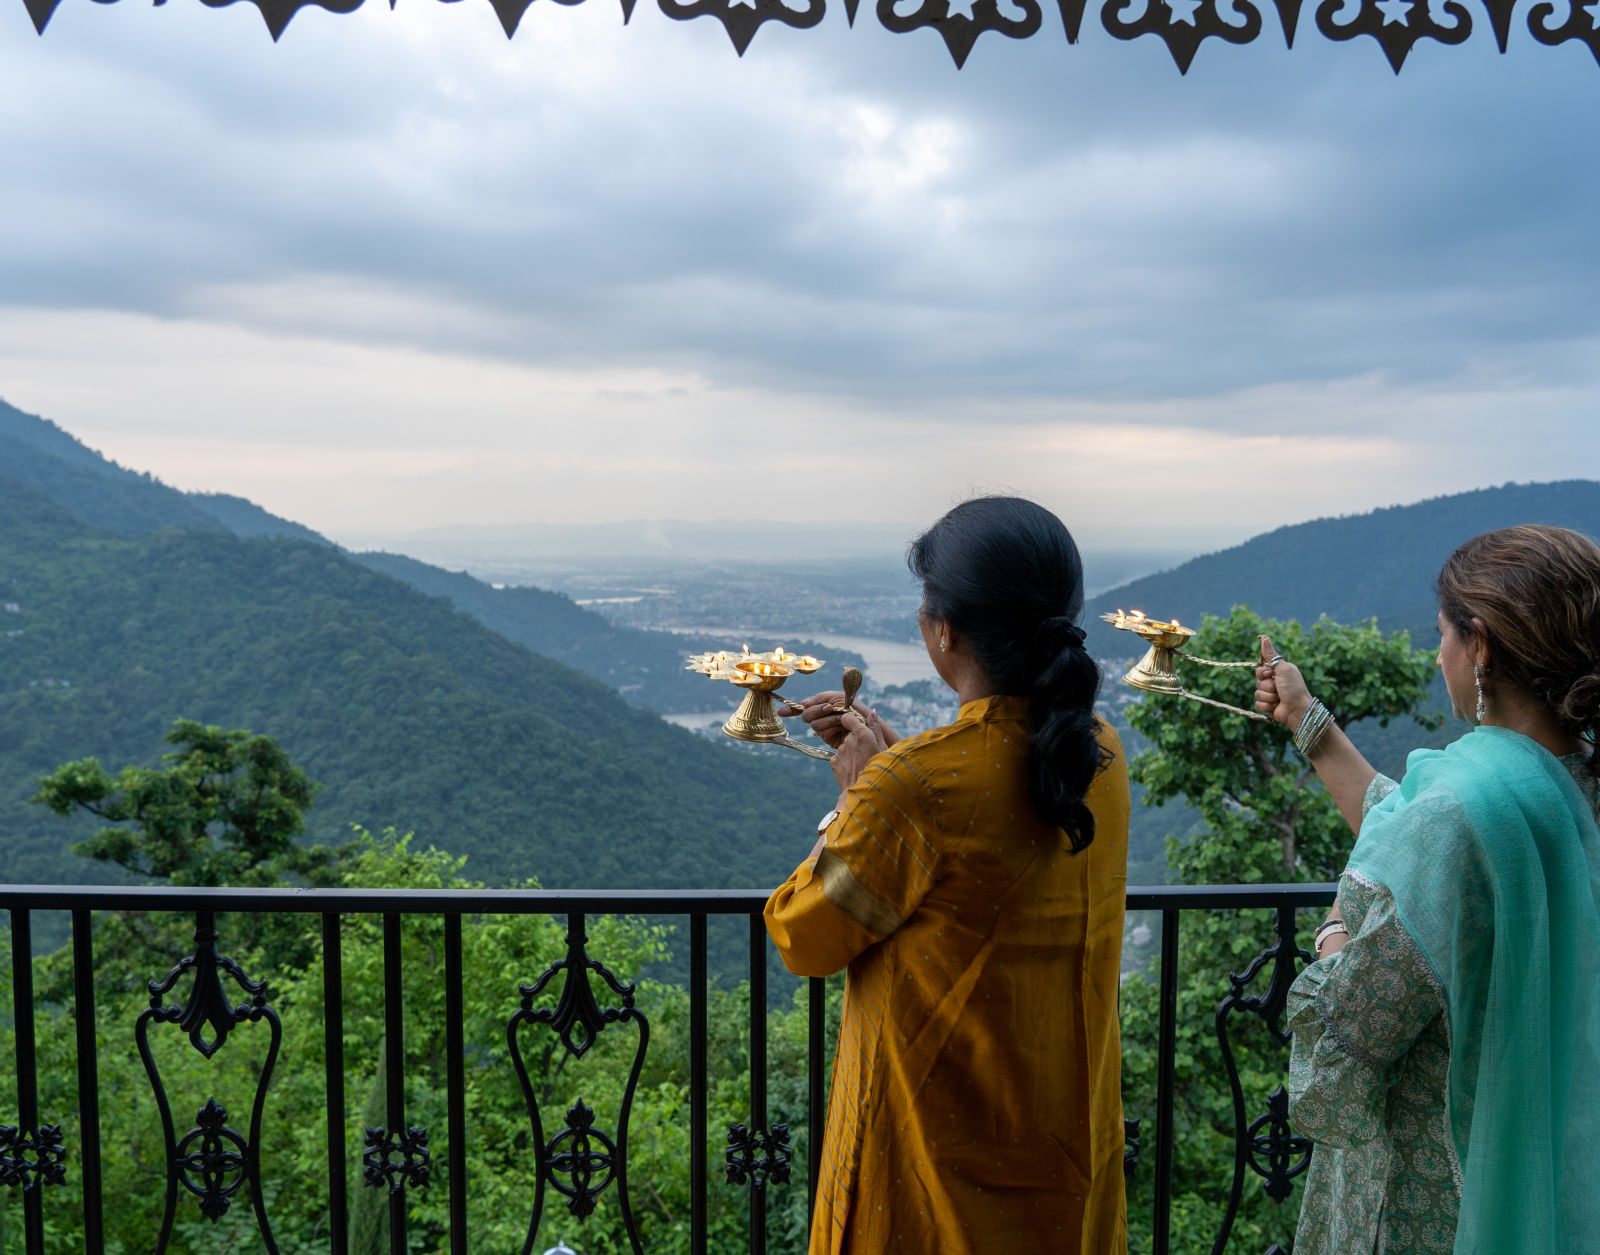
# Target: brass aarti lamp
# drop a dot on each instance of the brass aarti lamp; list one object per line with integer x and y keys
{"x": 1157, "y": 671}
{"x": 761, "y": 675}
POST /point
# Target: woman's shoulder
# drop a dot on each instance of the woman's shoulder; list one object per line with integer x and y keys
{"x": 935, "y": 746}
{"x": 952, "y": 740}
{"x": 933, "y": 759}
{"x": 1106, "y": 733}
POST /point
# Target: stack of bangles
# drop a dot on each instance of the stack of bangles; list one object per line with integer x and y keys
{"x": 1312, "y": 728}
{"x": 1330, "y": 928}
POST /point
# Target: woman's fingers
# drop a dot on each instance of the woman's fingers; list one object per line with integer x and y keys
{"x": 858, "y": 742}
{"x": 819, "y": 704}
{"x": 863, "y": 733}
{"x": 831, "y": 733}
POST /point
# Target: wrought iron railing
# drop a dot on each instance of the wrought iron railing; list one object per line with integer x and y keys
{"x": 210, "y": 1163}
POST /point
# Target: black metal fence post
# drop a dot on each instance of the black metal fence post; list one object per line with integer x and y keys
{"x": 758, "y": 1072}
{"x": 27, "y": 1072}
{"x": 455, "y": 1083}
{"x": 94, "y": 1239}
{"x": 1166, "y": 1054}
{"x": 698, "y": 994}
{"x": 394, "y": 1055}
{"x": 333, "y": 1067}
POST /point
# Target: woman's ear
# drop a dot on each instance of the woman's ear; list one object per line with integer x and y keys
{"x": 1478, "y": 647}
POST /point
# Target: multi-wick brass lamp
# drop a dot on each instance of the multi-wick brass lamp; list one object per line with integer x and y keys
{"x": 1157, "y": 671}
{"x": 761, "y": 675}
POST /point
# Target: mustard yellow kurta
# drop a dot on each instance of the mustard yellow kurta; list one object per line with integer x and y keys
{"x": 976, "y": 1104}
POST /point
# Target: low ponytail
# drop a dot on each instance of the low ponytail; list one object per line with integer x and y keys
{"x": 1006, "y": 574}
{"x": 1065, "y": 753}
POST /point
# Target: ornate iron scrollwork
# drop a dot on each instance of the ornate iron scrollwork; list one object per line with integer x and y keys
{"x": 1183, "y": 25}
{"x": 580, "y": 1161}
{"x": 212, "y": 1159}
{"x": 758, "y": 1157}
{"x": 1397, "y": 25}
{"x": 742, "y": 18}
{"x": 1130, "y": 1147}
{"x": 1285, "y": 1155}
{"x": 277, "y": 13}
{"x": 959, "y": 30}
{"x": 208, "y": 1007}
{"x": 1582, "y": 24}
{"x": 396, "y": 1162}
{"x": 510, "y": 11}
{"x": 580, "y": 1152}
{"x": 32, "y": 1160}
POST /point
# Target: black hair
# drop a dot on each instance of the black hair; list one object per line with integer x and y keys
{"x": 1006, "y": 574}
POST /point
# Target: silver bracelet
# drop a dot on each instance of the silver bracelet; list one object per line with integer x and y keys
{"x": 1312, "y": 728}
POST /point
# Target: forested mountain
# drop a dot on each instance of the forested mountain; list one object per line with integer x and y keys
{"x": 1353, "y": 568}
{"x": 409, "y": 712}
{"x": 125, "y": 604}
{"x": 1378, "y": 565}
{"x": 645, "y": 667}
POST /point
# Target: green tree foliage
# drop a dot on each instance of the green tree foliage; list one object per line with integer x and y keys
{"x": 224, "y": 810}
{"x": 1267, "y": 820}
{"x": 1264, "y": 820}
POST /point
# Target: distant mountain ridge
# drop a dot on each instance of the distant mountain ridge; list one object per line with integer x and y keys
{"x": 645, "y": 666}
{"x": 1376, "y": 565}
{"x": 410, "y": 712}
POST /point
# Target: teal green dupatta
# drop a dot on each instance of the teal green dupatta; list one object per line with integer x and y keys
{"x": 1493, "y": 858}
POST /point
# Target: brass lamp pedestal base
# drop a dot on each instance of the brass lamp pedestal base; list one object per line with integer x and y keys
{"x": 1157, "y": 671}
{"x": 756, "y": 719}
{"x": 760, "y": 676}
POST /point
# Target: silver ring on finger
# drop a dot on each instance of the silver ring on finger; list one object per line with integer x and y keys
{"x": 1275, "y": 660}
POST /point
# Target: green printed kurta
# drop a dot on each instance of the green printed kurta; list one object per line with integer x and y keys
{"x": 1370, "y": 1069}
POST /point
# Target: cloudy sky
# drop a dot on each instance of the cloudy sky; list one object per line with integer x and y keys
{"x": 396, "y": 272}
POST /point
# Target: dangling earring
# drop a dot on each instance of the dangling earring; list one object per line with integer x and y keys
{"x": 942, "y": 645}
{"x": 1482, "y": 711}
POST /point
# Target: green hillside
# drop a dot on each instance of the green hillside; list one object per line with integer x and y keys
{"x": 408, "y": 711}
{"x": 1351, "y": 568}
{"x": 645, "y": 667}
{"x": 1380, "y": 564}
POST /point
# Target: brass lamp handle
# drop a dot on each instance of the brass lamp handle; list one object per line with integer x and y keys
{"x": 1238, "y": 710}
{"x": 851, "y": 682}
{"x": 823, "y": 752}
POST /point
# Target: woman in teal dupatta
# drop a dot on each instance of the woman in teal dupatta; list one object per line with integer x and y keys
{"x": 1446, "y": 1042}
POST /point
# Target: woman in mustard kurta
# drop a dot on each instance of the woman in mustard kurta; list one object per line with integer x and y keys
{"x": 972, "y": 881}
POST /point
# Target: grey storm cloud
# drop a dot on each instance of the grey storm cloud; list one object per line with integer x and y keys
{"x": 839, "y": 212}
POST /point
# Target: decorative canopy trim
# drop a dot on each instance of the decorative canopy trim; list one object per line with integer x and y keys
{"x": 1183, "y": 25}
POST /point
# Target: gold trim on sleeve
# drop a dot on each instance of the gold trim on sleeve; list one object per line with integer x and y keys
{"x": 840, "y": 887}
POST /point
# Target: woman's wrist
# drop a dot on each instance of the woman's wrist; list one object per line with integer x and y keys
{"x": 1311, "y": 727}
{"x": 1330, "y": 937}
